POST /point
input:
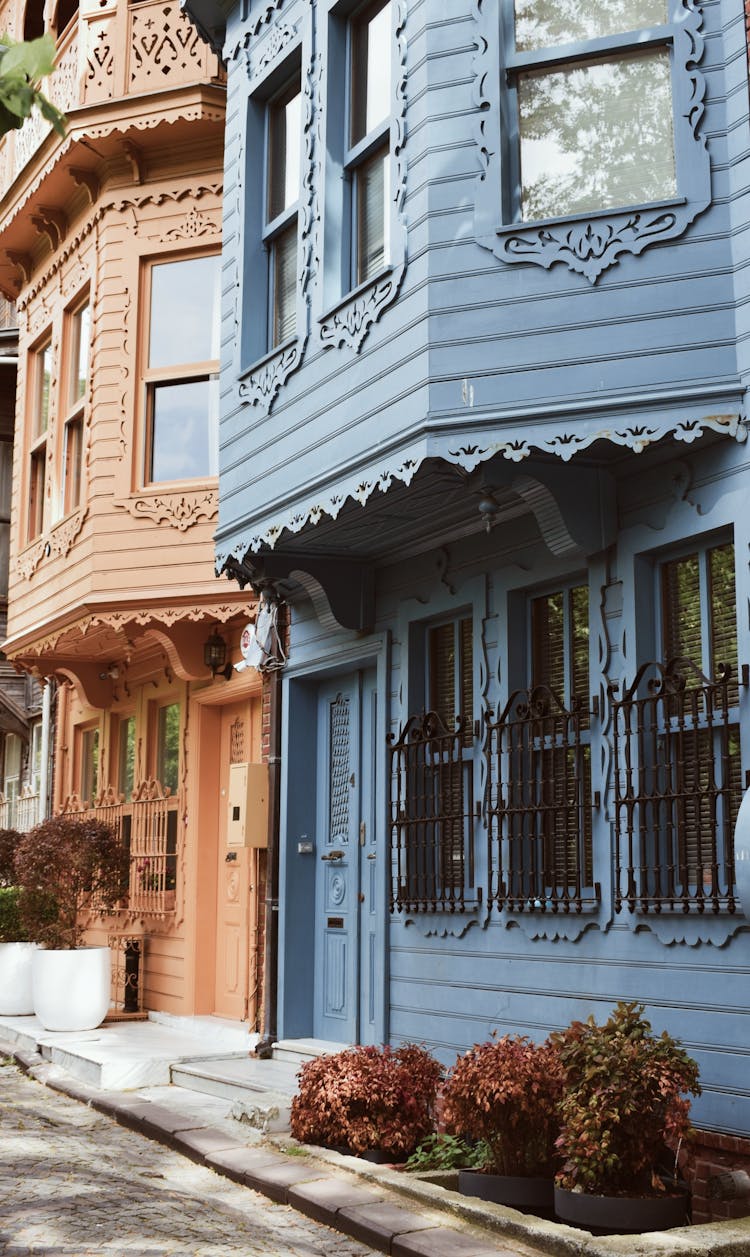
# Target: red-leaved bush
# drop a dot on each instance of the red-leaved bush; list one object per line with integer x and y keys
{"x": 626, "y": 1096}
{"x": 506, "y": 1093}
{"x": 368, "y": 1097}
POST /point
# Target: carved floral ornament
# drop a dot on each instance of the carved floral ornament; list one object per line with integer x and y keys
{"x": 178, "y": 510}
{"x": 564, "y": 443}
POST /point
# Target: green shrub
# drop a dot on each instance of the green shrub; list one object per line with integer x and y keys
{"x": 11, "y": 927}
{"x": 625, "y": 1097}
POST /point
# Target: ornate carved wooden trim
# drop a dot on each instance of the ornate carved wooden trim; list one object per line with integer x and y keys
{"x": 179, "y": 510}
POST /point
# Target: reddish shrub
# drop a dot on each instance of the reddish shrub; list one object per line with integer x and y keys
{"x": 368, "y": 1097}
{"x": 506, "y": 1093}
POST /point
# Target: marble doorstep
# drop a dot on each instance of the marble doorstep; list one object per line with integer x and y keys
{"x": 124, "y": 1056}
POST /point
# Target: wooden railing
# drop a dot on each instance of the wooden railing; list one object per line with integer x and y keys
{"x": 147, "y": 825}
{"x": 117, "y": 51}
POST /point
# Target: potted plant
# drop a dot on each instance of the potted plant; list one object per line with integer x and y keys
{"x": 15, "y": 949}
{"x": 368, "y": 1099}
{"x": 625, "y": 1099}
{"x": 64, "y": 866}
{"x": 505, "y": 1095}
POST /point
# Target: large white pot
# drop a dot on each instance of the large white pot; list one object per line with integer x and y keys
{"x": 16, "y": 999}
{"x": 71, "y": 988}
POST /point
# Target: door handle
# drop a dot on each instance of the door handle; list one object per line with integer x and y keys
{"x": 333, "y": 856}
{"x": 372, "y": 856}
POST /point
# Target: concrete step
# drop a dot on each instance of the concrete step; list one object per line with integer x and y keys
{"x": 259, "y": 1091}
{"x": 297, "y": 1051}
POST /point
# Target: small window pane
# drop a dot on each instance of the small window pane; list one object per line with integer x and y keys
{"x": 579, "y": 609}
{"x": 184, "y": 312}
{"x": 596, "y": 136}
{"x": 126, "y": 758}
{"x": 681, "y": 601}
{"x": 185, "y": 443}
{"x": 545, "y": 23}
{"x": 723, "y": 608}
{"x": 168, "y": 746}
{"x": 79, "y": 353}
{"x": 36, "y": 492}
{"x": 89, "y": 764}
{"x": 548, "y": 643}
{"x": 284, "y": 255}
{"x": 371, "y": 71}
{"x": 44, "y": 374}
{"x": 73, "y": 464}
{"x": 285, "y": 123}
{"x": 372, "y": 216}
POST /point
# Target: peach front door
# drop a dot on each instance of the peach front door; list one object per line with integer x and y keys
{"x": 235, "y": 906}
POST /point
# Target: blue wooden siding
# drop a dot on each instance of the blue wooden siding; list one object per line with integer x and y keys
{"x": 474, "y": 347}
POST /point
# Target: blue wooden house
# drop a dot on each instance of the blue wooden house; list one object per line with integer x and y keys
{"x": 486, "y": 341}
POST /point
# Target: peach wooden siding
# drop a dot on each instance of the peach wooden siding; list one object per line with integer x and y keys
{"x": 115, "y": 598}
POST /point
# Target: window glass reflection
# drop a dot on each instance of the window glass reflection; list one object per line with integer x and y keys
{"x": 184, "y": 312}
{"x": 545, "y": 23}
{"x": 596, "y": 135}
{"x": 185, "y": 439}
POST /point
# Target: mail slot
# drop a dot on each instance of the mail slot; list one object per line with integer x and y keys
{"x": 335, "y": 923}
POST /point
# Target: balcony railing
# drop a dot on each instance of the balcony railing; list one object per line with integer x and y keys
{"x": 20, "y": 812}
{"x": 147, "y": 826}
{"x": 117, "y": 51}
{"x": 678, "y": 787}
{"x": 539, "y": 805}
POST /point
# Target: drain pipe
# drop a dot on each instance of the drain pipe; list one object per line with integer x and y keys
{"x": 44, "y": 773}
{"x": 264, "y": 1047}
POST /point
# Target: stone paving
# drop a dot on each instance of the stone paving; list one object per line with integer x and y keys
{"x": 75, "y": 1184}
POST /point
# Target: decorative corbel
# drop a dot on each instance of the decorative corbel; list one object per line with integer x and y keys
{"x": 135, "y": 160}
{"x": 51, "y": 223}
{"x": 87, "y": 179}
{"x": 23, "y": 261}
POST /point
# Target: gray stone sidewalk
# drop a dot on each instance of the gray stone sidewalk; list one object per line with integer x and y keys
{"x": 74, "y": 1183}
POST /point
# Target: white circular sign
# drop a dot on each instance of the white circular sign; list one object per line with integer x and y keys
{"x": 742, "y": 854}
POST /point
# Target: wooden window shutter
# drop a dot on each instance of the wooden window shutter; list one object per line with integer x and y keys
{"x": 682, "y": 609}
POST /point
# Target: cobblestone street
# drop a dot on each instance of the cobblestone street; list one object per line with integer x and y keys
{"x": 73, "y": 1182}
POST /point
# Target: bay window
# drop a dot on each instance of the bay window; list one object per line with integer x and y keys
{"x": 367, "y": 160}
{"x": 593, "y": 85}
{"x": 41, "y": 375}
{"x": 280, "y": 232}
{"x": 181, "y": 369}
{"x": 76, "y": 339}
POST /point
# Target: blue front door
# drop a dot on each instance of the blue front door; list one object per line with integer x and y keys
{"x": 346, "y": 950}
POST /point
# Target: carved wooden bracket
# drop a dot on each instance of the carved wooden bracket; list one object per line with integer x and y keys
{"x": 23, "y": 261}
{"x": 135, "y": 160}
{"x": 51, "y": 223}
{"x": 87, "y": 179}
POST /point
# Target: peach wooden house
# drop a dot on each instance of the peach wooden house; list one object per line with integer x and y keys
{"x": 109, "y": 244}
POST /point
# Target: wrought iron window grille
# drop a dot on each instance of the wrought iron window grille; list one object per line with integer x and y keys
{"x": 677, "y": 787}
{"x": 539, "y": 804}
{"x": 432, "y": 816}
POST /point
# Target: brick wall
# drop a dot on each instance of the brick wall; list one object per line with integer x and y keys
{"x": 713, "y": 1154}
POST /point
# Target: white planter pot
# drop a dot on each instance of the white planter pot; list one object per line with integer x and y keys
{"x": 71, "y": 988}
{"x": 15, "y": 979}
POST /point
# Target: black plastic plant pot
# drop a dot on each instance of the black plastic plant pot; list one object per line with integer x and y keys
{"x": 528, "y": 1195}
{"x": 623, "y": 1215}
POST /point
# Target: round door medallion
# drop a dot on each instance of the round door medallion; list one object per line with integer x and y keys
{"x": 337, "y": 888}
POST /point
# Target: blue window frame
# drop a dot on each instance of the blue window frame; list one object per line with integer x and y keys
{"x": 589, "y": 129}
